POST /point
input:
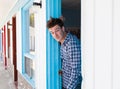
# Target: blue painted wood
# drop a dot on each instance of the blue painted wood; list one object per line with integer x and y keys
{"x": 25, "y": 30}
{"x": 53, "y": 9}
{"x": 25, "y": 38}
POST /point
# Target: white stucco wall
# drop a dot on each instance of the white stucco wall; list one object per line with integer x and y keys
{"x": 11, "y": 43}
{"x": 103, "y": 44}
{"x": 87, "y": 43}
{"x": 100, "y": 44}
{"x": 19, "y": 41}
{"x": 116, "y": 44}
{"x": 40, "y": 46}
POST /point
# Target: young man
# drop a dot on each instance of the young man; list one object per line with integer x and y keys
{"x": 70, "y": 54}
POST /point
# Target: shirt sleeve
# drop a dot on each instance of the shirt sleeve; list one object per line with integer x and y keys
{"x": 74, "y": 55}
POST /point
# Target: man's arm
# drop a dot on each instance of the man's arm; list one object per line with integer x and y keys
{"x": 74, "y": 54}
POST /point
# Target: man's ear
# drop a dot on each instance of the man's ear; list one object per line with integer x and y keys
{"x": 63, "y": 28}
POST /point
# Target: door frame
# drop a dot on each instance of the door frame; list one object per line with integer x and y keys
{"x": 53, "y": 63}
{"x": 14, "y": 48}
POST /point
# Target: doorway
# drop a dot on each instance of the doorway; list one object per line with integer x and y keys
{"x": 71, "y": 11}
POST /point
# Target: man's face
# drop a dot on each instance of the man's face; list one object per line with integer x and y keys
{"x": 57, "y": 33}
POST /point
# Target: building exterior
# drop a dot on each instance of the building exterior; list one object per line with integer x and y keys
{"x": 29, "y": 51}
{"x": 32, "y": 55}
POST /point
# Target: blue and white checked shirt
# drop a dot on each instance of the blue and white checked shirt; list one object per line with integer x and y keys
{"x": 71, "y": 62}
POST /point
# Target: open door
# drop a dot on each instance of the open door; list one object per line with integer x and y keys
{"x": 71, "y": 10}
{"x": 53, "y": 61}
{"x": 14, "y": 49}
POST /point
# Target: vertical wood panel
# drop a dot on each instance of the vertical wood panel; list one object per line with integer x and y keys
{"x": 53, "y": 60}
{"x": 103, "y": 44}
{"x": 97, "y": 44}
{"x": 116, "y": 44}
{"x": 87, "y": 43}
{"x": 14, "y": 48}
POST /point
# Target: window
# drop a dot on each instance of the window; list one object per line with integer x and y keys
{"x": 29, "y": 55}
{"x": 29, "y": 67}
{"x": 28, "y": 44}
{"x": 31, "y": 31}
{"x": 32, "y": 19}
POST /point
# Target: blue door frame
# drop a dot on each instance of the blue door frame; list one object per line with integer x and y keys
{"x": 53, "y": 9}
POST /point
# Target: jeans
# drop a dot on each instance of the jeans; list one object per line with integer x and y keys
{"x": 78, "y": 86}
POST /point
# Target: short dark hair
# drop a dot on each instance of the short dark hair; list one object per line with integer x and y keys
{"x": 54, "y": 21}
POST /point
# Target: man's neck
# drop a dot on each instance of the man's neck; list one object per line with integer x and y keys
{"x": 65, "y": 34}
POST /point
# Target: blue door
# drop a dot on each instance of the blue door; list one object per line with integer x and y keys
{"x": 52, "y": 48}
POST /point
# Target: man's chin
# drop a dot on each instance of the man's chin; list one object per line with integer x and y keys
{"x": 57, "y": 40}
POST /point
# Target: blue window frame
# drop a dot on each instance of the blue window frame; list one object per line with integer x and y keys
{"x": 27, "y": 58}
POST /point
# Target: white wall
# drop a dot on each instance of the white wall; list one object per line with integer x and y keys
{"x": 40, "y": 47}
{"x": 11, "y": 43}
{"x": 103, "y": 44}
{"x": 19, "y": 41}
{"x": 87, "y": 43}
{"x": 100, "y": 44}
{"x": 116, "y": 44}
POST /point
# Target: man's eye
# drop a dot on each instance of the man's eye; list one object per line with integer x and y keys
{"x": 57, "y": 30}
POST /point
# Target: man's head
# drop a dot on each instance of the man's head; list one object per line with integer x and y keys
{"x": 56, "y": 28}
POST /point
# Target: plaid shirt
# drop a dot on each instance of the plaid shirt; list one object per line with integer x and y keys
{"x": 71, "y": 62}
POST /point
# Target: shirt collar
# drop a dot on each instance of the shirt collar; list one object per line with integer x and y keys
{"x": 66, "y": 38}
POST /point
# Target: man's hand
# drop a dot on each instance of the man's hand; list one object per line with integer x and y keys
{"x": 60, "y": 72}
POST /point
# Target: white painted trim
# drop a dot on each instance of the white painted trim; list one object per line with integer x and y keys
{"x": 87, "y": 43}
{"x": 97, "y": 44}
{"x": 103, "y": 44}
{"x": 40, "y": 47}
{"x": 116, "y": 44}
{"x": 19, "y": 41}
{"x": 11, "y": 46}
